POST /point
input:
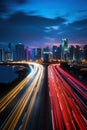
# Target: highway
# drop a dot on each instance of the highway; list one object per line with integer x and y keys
{"x": 68, "y": 100}
{"x": 17, "y": 107}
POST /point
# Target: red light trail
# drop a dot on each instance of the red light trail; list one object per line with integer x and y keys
{"x": 67, "y": 108}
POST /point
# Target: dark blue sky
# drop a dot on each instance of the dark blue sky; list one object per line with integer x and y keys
{"x": 43, "y": 22}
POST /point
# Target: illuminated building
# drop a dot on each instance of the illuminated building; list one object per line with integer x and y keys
{"x": 28, "y": 54}
{"x": 77, "y": 53}
{"x": 64, "y": 48}
{"x": 46, "y": 54}
{"x": 55, "y": 52}
{"x": 20, "y": 52}
{"x": 72, "y": 53}
{"x": 8, "y": 54}
{"x": 38, "y": 53}
{"x": 85, "y": 52}
{"x": 1, "y": 54}
{"x": 59, "y": 52}
{"x": 34, "y": 52}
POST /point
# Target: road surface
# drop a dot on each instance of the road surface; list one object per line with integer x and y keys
{"x": 68, "y": 100}
{"x": 23, "y": 107}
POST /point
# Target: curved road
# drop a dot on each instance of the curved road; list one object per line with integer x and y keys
{"x": 16, "y": 107}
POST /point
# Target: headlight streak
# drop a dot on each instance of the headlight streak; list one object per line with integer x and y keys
{"x": 16, "y": 114}
{"x": 12, "y": 94}
{"x": 30, "y": 107}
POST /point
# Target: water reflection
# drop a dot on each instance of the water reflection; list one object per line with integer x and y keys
{"x": 8, "y": 73}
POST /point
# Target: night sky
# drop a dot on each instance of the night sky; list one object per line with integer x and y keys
{"x": 43, "y": 22}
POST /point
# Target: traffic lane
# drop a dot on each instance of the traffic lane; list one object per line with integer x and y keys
{"x": 40, "y": 118}
{"x": 65, "y": 98}
{"x": 22, "y": 105}
{"x": 77, "y": 89}
{"x": 72, "y": 94}
{"x": 13, "y": 93}
{"x": 33, "y": 100}
{"x": 11, "y": 106}
{"x": 62, "y": 105}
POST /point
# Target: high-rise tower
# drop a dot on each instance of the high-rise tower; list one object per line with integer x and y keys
{"x": 64, "y": 48}
{"x": 20, "y": 52}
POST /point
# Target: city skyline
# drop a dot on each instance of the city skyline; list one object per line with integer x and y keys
{"x": 41, "y": 23}
{"x": 62, "y": 52}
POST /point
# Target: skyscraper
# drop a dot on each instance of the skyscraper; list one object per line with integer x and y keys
{"x": 1, "y": 54}
{"x": 64, "y": 48}
{"x": 20, "y": 52}
{"x": 8, "y": 56}
{"x": 38, "y": 53}
{"x": 85, "y": 52}
{"x": 59, "y": 52}
{"x": 28, "y": 54}
{"x": 46, "y": 54}
{"x": 77, "y": 53}
{"x": 72, "y": 52}
{"x": 55, "y": 52}
{"x": 34, "y": 54}
{"x": 9, "y": 53}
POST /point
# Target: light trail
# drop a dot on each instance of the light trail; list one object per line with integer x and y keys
{"x": 30, "y": 107}
{"x": 67, "y": 109}
{"x": 33, "y": 88}
{"x": 13, "y": 93}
